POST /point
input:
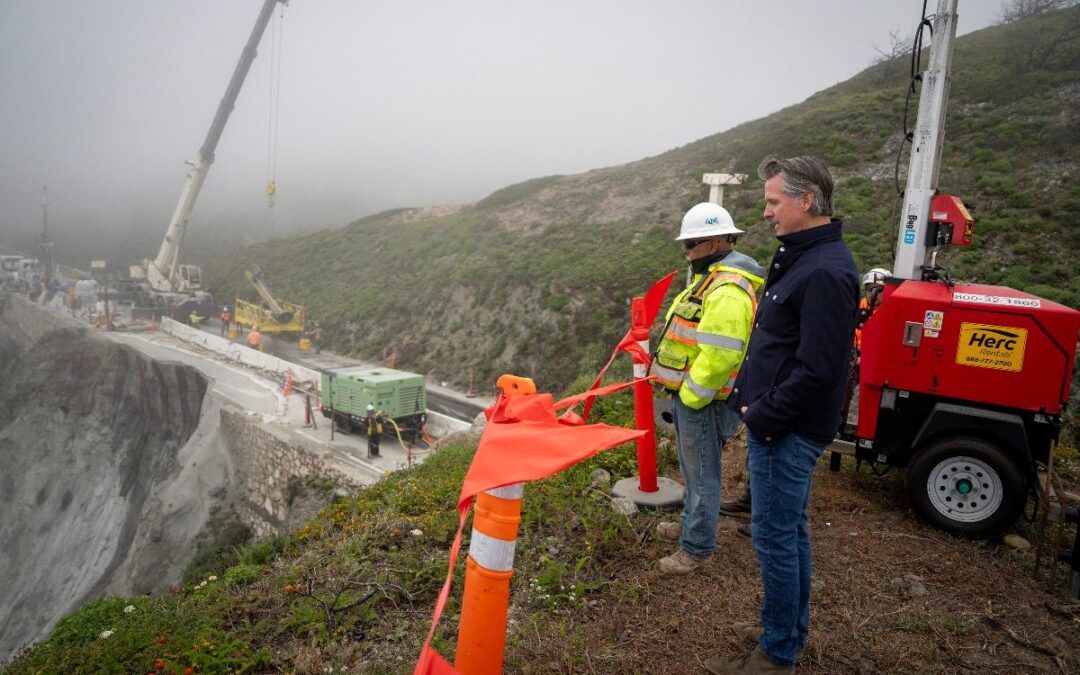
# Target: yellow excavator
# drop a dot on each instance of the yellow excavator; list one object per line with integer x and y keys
{"x": 273, "y": 316}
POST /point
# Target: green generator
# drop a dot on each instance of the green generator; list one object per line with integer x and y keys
{"x": 396, "y": 394}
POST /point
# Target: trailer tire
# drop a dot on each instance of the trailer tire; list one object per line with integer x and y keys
{"x": 966, "y": 485}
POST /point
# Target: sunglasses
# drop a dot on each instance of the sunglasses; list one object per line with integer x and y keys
{"x": 691, "y": 243}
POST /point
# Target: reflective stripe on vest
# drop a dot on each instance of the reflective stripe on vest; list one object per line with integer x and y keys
{"x": 703, "y": 392}
{"x": 685, "y": 332}
{"x": 721, "y": 341}
{"x": 669, "y": 378}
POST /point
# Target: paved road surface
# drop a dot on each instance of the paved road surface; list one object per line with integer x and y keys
{"x": 440, "y": 399}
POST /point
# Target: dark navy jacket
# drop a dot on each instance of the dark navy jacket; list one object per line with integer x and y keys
{"x": 796, "y": 366}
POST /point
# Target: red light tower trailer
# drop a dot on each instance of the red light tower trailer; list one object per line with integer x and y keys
{"x": 963, "y": 384}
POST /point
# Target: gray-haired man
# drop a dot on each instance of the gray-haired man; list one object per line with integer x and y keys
{"x": 790, "y": 391}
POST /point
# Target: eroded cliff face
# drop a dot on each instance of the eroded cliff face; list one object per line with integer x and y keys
{"x": 106, "y": 476}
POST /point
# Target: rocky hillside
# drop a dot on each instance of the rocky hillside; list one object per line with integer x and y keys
{"x": 535, "y": 278}
{"x": 100, "y": 493}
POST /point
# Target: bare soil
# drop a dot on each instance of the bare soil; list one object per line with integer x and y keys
{"x": 983, "y": 610}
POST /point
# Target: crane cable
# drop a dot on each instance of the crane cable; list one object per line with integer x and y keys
{"x": 273, "y": 117}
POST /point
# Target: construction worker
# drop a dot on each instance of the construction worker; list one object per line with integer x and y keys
{"x": 316, "y": 337}
{"x": 254, "y": 339}
{"x": 226, "y": 317}
{"x": 873, "y": 283}
{"x": 702, "y": 347}
{"x": 374, "y": 430}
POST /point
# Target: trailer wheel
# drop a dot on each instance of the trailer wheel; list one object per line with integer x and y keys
{"x": 966, "y": 485}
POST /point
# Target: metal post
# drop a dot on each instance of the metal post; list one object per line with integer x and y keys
{"x": 643, "y": 400}
{"x": 648, "y": 490}
{"x": 929, "y": 133}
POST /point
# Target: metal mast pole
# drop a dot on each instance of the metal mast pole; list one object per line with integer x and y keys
{"x": 925, "y": 160}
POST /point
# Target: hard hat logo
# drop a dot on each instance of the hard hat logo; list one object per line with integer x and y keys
{"x": 707, "y": 220}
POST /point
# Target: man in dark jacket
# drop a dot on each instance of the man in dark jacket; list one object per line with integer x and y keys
{"x": 790, "y": 391}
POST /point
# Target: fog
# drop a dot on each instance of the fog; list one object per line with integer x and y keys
{"x": 382, "y": 104}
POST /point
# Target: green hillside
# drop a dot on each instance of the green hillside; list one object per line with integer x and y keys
{"x": 535, "y": 278}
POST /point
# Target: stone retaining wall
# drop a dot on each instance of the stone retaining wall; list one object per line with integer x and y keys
{"x": 264, "y": 464}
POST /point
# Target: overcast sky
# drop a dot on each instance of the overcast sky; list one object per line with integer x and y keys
{"x": 392, "y": 102}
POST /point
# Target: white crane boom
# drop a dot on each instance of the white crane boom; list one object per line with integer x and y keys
{"x": 164, "y": 274}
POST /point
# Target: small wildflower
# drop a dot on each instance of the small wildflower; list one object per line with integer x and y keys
{"x": 129, "y": 609}
{"x": 202, "y": 585}
{"x": 417, "y": 533}
{"x": 104, "y": 635}
{"x": 189, "y": 671}
{"x": 212, "y": 577}
{"x": 159, "y": 664}
{"x": 161, "y": 639}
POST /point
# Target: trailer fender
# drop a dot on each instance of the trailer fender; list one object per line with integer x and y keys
{"x": 1007, "y": 428}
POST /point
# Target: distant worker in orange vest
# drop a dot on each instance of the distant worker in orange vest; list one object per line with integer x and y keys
{"x": 873, "y": 283}
{"x": 255, "y": 339}
{"x": 226, "y": 317}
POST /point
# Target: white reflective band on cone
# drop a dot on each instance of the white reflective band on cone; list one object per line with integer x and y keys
{"x": 490, "y": 553}
{"x": 515, "y": 491}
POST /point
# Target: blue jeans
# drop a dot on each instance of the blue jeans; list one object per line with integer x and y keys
{"x": 700, "y": 436}
{"x": 780, "y": 476}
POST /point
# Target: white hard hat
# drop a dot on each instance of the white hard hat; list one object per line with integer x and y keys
{"x": 370, "y": 407}
{"x": 878, "y": 275}
{"x": 706, "y": 220}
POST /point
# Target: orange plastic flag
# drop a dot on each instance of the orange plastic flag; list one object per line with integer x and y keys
{"x": 653, "y": 298}
{"x": 523, "y": 441}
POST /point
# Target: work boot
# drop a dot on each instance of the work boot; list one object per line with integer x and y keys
{"x": 751, "y": 631}
{"x": 668, "y": 530}
{"x": 681, "y": 562}
{"x": 738, "y": 507}
{"x": 744, "y": 530}
{"x": 752, "y": 663}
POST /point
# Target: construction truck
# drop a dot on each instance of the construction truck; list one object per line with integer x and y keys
{"x": 395, "y": 394}
{"x": 163, "y": 282}
{"x": 965, "y": 385}
{"x": 276, "y": 316}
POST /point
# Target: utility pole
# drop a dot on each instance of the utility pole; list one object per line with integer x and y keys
{"x": 45, "y": 246}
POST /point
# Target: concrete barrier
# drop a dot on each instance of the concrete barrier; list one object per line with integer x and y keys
{"x": 440, "y": 425}
{"x": 305, "y": 378}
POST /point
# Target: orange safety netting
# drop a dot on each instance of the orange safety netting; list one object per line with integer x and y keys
{"x": 525, "y": 440}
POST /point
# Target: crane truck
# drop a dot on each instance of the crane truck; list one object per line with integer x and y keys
{"x": 965, "y": 385}
{"x": 163, "y": 282}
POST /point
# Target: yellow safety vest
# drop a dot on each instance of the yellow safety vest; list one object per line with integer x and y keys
{"x": 680, "y": 346}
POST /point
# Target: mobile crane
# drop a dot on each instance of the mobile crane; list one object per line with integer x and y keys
{"x": 163, "y": 281}
{"x": 965, "y": 385}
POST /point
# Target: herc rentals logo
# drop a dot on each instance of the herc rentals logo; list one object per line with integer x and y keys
{"x": 997, "y": 347}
